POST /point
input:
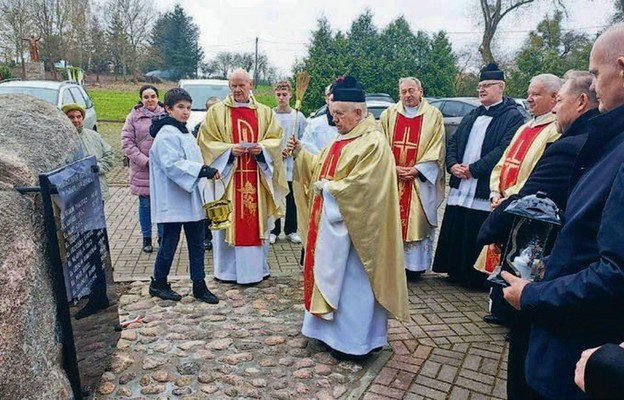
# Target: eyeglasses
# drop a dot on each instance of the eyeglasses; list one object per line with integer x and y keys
{"x": 487, "y": 85}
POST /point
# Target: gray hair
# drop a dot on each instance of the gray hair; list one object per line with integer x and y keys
{"x": 410, "y": 79}
{"x": 240, "y": 71}
{"x": 551, "y": 82}
{"x": 580, "y": 83}
{"x": 356, "y": 106}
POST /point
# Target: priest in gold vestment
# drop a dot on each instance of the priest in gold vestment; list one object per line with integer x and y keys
{"x": 524, "y": 151}
{"x": 415, "y": 131}
{"x": 242, "y": 139}
{"x": 347, "y": 200}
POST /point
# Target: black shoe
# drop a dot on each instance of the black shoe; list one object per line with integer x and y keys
{"x": 147, "y": 245}
{"x": 340, "y": 356}
{"x": 92, "y": 307}
{"x": 207, "y": 245}
{"x": 491, "y": 319}
{"x": 202, "y": 293}
{"x": 163, "y": 290}
{"x": 413, "y": 276}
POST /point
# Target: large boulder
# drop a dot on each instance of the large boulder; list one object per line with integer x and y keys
{"x": 35, "y": 137}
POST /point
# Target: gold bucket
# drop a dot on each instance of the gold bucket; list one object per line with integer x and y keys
{"x": 219, "y": 211}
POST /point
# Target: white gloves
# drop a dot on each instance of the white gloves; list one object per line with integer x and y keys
{"x": 319, "y": 186}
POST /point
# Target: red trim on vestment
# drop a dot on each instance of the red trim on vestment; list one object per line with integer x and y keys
{"x": 405, "y": 142}
{"x": 328, "y": 169}
{"x": 246, "y": 215}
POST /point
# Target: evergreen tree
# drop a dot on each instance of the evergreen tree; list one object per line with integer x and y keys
{"x": 440, "y": 69}
{"x": 378, "y": 59}
{"x": 175, "y": 44}
{"x": 325, "y": 61}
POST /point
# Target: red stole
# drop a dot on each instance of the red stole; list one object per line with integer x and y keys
{"x": 246, "y": 216}
{"x": 328, "y": 169}
{"x": 405, "y": 141}
{"x": 509, "y": 176}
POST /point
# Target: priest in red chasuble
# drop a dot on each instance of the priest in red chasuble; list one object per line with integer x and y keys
{"x": 524, "y": 151}
{"x": 415, "y": 131}
{"x": 347, "y": 200}
{"x": 242, "y": 139}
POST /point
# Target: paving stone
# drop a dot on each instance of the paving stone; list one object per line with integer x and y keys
{"x": 250, "y": 345}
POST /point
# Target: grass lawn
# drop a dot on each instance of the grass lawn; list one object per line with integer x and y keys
{"x": 115, "y": 104}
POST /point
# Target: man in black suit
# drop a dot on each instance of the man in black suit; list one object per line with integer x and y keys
{"x": 555, "y": 174}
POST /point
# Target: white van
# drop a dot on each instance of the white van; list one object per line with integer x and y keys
{"x": 200, "y": 91}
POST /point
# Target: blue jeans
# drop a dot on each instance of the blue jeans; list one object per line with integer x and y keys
{"x": 194, "y": 232}
{"x": 145, "y": 218}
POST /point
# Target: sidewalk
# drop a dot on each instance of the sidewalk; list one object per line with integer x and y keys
{"x": 250, "y": 346}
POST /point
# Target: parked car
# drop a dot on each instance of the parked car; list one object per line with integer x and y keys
{"x": 379, "y": 97}
{"x": 200, "y": 91}
{"x": 375, "y": 102}
{"x": 453, "y": 110}
{"x": 57, "y": 93}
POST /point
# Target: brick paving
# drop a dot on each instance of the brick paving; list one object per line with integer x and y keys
{"x": 444, "y": 351}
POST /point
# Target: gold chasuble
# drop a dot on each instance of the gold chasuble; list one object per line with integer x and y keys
{"x": 254, "y": 197}
{"x": 360, "y": 169}
{"x": 415, "y": 140}
{"x": 515, "y": 167}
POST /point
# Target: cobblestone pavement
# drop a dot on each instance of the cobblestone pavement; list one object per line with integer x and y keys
{"x": 250, "y": 346}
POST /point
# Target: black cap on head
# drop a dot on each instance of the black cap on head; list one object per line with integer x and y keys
{"x": 491, "y": 72}
{"x": 348, "y": 89}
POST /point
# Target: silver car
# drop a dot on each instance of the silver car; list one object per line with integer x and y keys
{"x": 453, "y": 110}
{"x": 57, "y": 93}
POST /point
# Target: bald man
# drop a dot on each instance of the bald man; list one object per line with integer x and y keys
{"x": 580, "y": 302}
{"x": 243, "y": 140}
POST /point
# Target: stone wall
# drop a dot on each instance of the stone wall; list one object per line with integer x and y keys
{"x": 34, "y": 70}
{"x": 35, "y": 137}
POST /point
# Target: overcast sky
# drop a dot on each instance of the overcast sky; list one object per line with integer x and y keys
{"x": 284, "y": 26}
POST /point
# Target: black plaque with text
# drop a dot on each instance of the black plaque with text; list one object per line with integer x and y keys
{"x": 78, "y": 246}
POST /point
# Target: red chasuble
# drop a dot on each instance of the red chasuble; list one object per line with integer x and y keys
{"x": 405, "y": 149}
{"x": 509, "y": 176}
{"x": 328, "y": 169}
{"x": 246, "y": 223}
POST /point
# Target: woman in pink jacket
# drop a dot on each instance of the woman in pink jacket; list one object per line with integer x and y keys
{"x": 136, "y": 143}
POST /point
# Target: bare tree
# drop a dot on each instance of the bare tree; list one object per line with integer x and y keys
{"x": 493, "y": 12}
{"x": 53, "y": 21}
{"x": 619, "y": 11}
{"x": 15, "y": 23}
{"x": 129, "y": 24}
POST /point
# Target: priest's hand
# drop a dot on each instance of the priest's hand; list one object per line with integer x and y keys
{"x": 513, "y": 293}
{"x": 498, "y": 203}
{"x": 458, "y": 171}
{"x": 407, "y": 173}
{"x": 238, "y": 150}
{"x": 257, "y": 149}
{"x": 495, "y": 200}
{"x": 466, "y": 170}
{"x": 294, "y": 146}
{"x": 319, "y": 186}
{"x": 284, "y": 154}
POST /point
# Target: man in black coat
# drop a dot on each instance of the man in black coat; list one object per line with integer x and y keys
{"x": 553, "y": 175}
{"x": 471, "y": 154}
{"x": 580, "y": 302}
